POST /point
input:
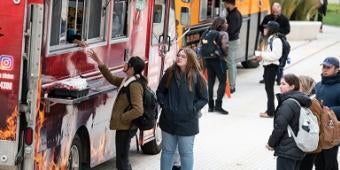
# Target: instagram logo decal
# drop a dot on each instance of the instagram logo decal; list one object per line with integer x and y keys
{"x": 6, "y": 62}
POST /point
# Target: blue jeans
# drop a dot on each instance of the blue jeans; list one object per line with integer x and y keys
{"x": 185, "y": 148}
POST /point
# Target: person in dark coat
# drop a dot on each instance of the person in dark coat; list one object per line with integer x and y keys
{"x": 217, "y": 67}
{"x": 276, "y": 15}
{"x": 322, "y": 10}
{"x": 289, "y": 156}
{"x": 328, "y": 91}
{"x": 182, "y": 93}
{"x": 234, "y": 19}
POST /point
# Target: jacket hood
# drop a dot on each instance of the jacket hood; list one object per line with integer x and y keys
{"x": 331, "y": 80}
{"x": 303, "y": 99}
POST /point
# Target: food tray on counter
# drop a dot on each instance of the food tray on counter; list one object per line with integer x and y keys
{"x": 68, "y": 93}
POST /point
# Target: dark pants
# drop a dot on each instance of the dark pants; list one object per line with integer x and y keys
{"x": 287, "y": 164}
{"x": 216, "y": 68}
{"x": 308, "y": 161}
{"x": 327, "y": 159}
{"x": 123, "y": 139}
{"x": 269, "y": 81}
{"x": 279, "y": 74}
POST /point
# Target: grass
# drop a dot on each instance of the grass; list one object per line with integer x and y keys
{"x": 333, "y": 15}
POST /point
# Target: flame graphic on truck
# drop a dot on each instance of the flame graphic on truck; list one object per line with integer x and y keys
{"x": 10, "y": 131}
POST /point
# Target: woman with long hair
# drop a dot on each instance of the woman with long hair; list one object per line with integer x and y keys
{"x": 182, "y": 93}
{"x": 290, "y": 101}
{"x": 270, "y": 54}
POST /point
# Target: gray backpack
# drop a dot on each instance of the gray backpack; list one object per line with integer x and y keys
{"x": 307, "y": 138}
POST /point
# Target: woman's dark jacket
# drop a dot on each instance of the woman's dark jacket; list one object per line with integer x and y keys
{"x": 180, "y": 107}
{"x": 287, "y": 113}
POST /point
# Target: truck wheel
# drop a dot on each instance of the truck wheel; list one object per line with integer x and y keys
{"x": 250, "y": 64}
{"x": 76, "y": 156}
{"x": 153, "y": 147}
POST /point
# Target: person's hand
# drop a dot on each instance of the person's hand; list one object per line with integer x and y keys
{"x": 82, "y": 44}
{"x": 269, "y": 148}
{"x": 259, "y": 58}
{"x": 94, "y": 57}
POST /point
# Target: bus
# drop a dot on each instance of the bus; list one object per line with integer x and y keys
{"x": 196, "y": 16}
{"x": 55, "y": 104}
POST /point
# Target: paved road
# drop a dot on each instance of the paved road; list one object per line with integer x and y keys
{"x": 237, "y": 141}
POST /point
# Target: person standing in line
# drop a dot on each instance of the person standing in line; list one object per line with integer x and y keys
{"x": 328, "y": 92}
{"x": 276, "y": 15}
{"x": 217, "y": 67}
{"x": 307, "y": 86}
{"x": 123, "y": 113}
{"x": 234, "y": 20}
{"x": 289, "y": 156}
{"x": 270, "y": 55}
{"x": 322, "y": 10}
{"x": 182, "y": 93}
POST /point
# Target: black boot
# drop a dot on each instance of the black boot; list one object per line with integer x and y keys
{"x": 211, "y": 106}
{"x": 218, "y": 108}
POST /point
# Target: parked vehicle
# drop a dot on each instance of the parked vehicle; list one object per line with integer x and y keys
{"x": 55, "y": 105}
{"x": 194, "y": 17}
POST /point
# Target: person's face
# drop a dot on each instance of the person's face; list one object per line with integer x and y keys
{"x": 328, "y": 71}
{"x": 128, "y": 70}
{"x": 181, "y": 59}
{"x": 276, "y": 9}
{"x": 265, "y": 31}
{"x": 226, "y": 5}
{"x": 285, "y": 87}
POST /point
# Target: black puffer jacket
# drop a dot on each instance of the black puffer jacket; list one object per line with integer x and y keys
{"x": 287, "y": 113}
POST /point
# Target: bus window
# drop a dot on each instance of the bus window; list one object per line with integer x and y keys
{"x": 185, "y": 18}
{"x": 186, "y": 1}
{"x": 209, "y": 9}
{"x": 75, "y": 19}
{"x": 119, "y": 18}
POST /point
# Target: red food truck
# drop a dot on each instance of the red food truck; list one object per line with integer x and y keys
{"x": 55, "y": 106}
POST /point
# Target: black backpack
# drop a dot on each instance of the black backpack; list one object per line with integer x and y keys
{"x": 210, "y": 44}
{"x": 285, "y": 49}
{"x": 149, "y": 118}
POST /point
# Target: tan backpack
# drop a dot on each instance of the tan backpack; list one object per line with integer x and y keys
{"x": 329, "y": 126}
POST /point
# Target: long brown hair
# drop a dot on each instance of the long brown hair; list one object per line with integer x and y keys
{"x": 192, "y": 68}
{"x": 218, "y": 24}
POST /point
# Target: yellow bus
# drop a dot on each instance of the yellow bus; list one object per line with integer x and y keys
{"x": 195, "y": 16}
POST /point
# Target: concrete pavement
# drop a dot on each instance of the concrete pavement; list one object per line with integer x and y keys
{"x": 237, "y": 141}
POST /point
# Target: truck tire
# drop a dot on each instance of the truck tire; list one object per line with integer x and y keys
{"x": 76, "y": 156}
{"x": 153, "y": 147}
{"x": 250, "y": 64}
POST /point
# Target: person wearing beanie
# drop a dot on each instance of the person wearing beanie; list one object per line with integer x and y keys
{"x": 270, "y": 55}
{"x": 125, "y": 111}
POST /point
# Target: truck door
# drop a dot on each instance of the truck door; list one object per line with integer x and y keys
{"x": 11, "y": 44}
{"x": 163, "y": 41}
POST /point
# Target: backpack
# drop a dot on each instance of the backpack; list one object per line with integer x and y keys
{"x": 329, "y": 126}
{"x": 149, "y": 118}
{"x": 285, "y": 49}
{"x": 307, "y": 138}
{"x": 210, "y": 44}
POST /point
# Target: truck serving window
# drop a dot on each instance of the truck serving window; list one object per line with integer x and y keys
{"x": 76, "y": 19}
{"x": 119, "y": 19}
